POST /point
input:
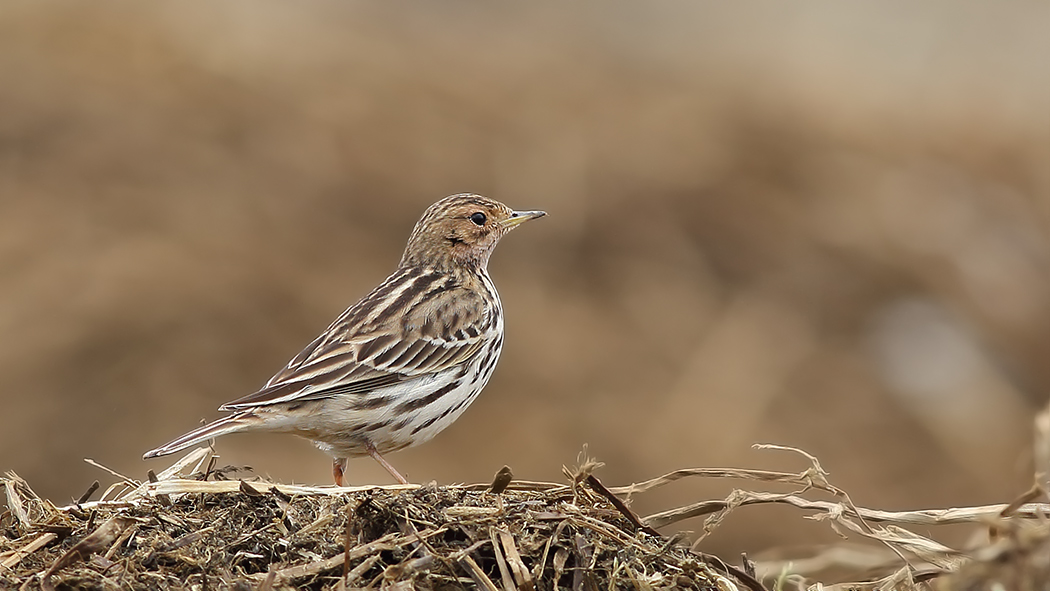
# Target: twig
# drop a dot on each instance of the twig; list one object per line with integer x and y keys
{"x": 102, "y": 537}
{"x": 359, "y": 571}
{"x": 920, "y": 517}
{"x": 759, "y": 475}
{"x": 501, "y": 562}
{"x": 195, "y": 456}
{"x": 480, "y": 578}
{"x": 87, "y": 494}
{"x": 124, "y": 536}
{"x": 14, "y": 500}
{"x": 163, "y": 499}
{"x": 267, "y": 583}
{"x": 720, "y": 565}
{"x": 539, "y": 568}
{"x": 853, "y": 558}
{"x": 19, "y": 554}
{"x": 630, "y": 515}
{"x": 388, "y": 542}
{"x": 517, "y": 565}
{"x": 225, "y": 486}
{"x": 583, "y": 574}
{"x": 501, "y": 480}
{"x": 816, "y": 477}
{"x": 124, "y": 479}
{"x": 187, "y": 539}
{"x": 622, "y": 507}
{"x": 346, "y": 542}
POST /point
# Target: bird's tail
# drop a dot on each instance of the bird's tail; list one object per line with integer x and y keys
{"x": 240, "y": 421}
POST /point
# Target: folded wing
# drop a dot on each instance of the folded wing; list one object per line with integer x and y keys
{"x": 415, "y": 323}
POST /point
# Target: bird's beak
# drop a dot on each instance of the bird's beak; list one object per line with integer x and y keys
{"x": 520, "y": 217}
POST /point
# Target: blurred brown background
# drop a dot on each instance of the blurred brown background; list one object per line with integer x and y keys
{"x": 822, "y": 224}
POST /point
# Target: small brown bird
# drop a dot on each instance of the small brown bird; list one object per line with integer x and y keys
{"x": 402, "y": 364}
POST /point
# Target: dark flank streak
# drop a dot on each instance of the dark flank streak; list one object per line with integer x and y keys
{"x": 371, "y": 402}
{"x": 433, "y": 420}
{"x": 460, "y": 404}
{"x": 484, "y": 367}
{"x": 430, "y": 422}
{"x": 490, "y": 357}
{"x": 377, "y": 426}
{"x": 462, "y": 373}
{"x": 463, "y": 370}
{"x": 417, "y": 403}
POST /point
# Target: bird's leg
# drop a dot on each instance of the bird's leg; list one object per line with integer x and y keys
{"x": 338, "y": 469}
{"x": 382, "y": 462}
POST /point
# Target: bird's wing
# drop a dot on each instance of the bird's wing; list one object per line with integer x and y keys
{"x": 415, "y": 323}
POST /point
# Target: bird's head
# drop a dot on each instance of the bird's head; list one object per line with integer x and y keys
{"x": 461, "y": 231}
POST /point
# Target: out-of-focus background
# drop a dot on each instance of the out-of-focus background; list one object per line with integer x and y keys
{"x": 824, "y": 225}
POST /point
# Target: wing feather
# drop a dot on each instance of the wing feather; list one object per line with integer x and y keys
{"x": 415, "y": 323}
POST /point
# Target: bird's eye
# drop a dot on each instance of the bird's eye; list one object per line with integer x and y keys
{"x": 478, "y": 218}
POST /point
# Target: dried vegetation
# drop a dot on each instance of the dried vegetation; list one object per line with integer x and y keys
{"x": 195, "y": 526}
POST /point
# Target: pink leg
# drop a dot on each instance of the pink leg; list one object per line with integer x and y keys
{"x": 382, "y": 462}
{"x": 338, "y": 469}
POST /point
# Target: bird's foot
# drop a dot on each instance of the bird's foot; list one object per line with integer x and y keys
{"x": 338, "y": 469}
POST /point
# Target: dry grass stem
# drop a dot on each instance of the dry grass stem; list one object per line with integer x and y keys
{"x": 951, "y": 516}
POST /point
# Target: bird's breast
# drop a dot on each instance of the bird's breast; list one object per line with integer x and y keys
{"x": 404, "y": 414}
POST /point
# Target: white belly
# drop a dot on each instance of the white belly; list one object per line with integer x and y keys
{"x": 419, "y": 409}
